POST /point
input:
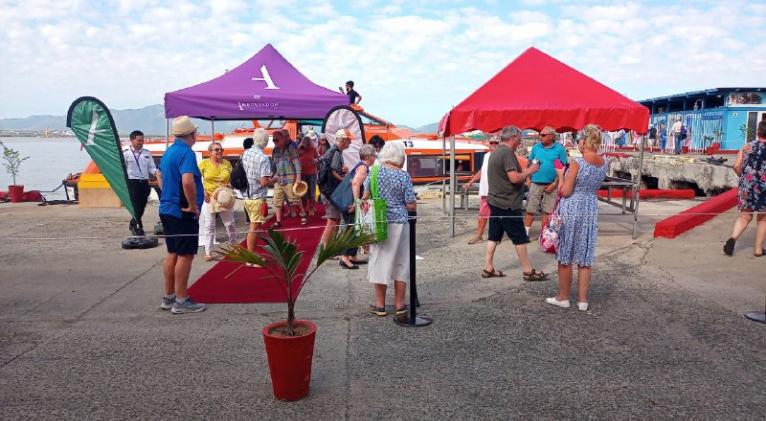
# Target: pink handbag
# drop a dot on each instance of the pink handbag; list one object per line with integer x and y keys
{"x": 549, "y": 239}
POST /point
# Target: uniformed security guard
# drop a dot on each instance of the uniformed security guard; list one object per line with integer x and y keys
{"x": 140, "y": 165}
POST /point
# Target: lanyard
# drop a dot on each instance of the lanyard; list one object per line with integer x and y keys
{"x": 136, "y": 158}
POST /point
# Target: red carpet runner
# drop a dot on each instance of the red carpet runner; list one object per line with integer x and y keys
{"x": 233, "y": 283}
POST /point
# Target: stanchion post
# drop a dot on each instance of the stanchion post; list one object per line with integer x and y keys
{"x": 757, "y": 316}
{"x": 411, "y": 319}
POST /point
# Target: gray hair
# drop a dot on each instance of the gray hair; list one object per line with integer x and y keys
{"x": 366, "y": 151}
{"x": 393, "y": 153}
{"x": 260, "y": 138}
{"x": 508, "y": 132}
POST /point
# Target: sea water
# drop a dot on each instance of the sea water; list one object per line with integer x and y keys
{"x": 50, "y": 161}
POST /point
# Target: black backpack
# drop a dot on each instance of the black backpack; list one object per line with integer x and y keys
{"x": 325, "y": 180}
{"x": 238, "y": 178}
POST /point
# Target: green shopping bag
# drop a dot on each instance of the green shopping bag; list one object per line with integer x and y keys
{"x": 372, "y": 217}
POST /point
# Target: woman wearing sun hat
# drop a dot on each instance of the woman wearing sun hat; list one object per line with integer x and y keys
{"x": 216, "y": 173}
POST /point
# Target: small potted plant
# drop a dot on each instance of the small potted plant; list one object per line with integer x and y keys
{"x": 290, "y": 343}
{"x": 12, "y": 162}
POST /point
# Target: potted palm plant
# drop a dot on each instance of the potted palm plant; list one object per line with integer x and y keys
{"x": 289, "y": 343}
{"x": 12, "y": 163}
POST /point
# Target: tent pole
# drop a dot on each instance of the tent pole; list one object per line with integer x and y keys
{"x": 637, "y": 189}
{"x": 212, "y": 130}
{"x": 452, "y": 187}
{"x": 167, "y": 133}
{"x": 444, "y": 179}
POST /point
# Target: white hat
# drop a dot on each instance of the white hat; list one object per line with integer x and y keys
{"x": 223, "y": 199}
{"x": 183, "y": 126}
{"x": 343, "y": 134}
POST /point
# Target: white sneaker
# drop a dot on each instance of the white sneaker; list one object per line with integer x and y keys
{"x": 557, "y": 303}
{"x": 582, "y": 306}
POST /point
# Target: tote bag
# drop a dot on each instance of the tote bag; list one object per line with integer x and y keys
{"x": 372, "y": 217}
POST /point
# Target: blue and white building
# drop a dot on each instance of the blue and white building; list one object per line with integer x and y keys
{"x": 719, "y": 115}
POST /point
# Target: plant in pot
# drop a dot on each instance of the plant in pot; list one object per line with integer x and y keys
{"x": 290, "y": 343}
{"x": 12, "y": 160}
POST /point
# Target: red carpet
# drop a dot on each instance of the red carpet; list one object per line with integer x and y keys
{"x": 233, "y": 283}
{"x": 678, "y": 224}
{"x": 653, "y": 194}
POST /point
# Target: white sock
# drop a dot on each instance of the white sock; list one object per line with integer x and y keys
{"x": 170, "y": 297}
{"x": 180, "y": 300}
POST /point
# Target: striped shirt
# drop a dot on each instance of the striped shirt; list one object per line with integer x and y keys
{"x": 256, "y": 165}
{"x": 288, "y": 164}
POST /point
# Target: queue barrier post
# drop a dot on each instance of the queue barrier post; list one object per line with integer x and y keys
{"x": 411, "y": 318}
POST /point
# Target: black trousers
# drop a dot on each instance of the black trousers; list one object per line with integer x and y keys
{"x": 348, "y": 219}
{"x": 139, "y": 195}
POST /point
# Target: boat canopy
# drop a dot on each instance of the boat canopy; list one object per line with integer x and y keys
{"x": 536, "y": 90}
{"x": 266, "y": 86}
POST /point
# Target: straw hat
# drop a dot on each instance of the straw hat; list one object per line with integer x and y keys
{"x": 224, "y": 199}
{"x": 343, "y": 134}
{"x": 183, "y": 126}
{"x": 300, "y": 188}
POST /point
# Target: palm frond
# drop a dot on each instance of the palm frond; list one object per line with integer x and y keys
{"x": 237, "y": 253}
{"x": 344, "y": 239}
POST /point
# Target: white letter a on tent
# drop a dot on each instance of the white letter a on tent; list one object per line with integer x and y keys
{"x": 266, "y": 78}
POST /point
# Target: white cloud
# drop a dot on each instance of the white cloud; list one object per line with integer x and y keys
{"x": 411, "y": 60}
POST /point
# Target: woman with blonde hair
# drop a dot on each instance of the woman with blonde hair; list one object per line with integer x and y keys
{"x": 216, "y": 173}
{"x": 578, "y": 210}
{"x": 390, "y": 259}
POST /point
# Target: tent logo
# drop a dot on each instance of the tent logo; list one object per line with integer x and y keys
{"x": 266, "y": 78}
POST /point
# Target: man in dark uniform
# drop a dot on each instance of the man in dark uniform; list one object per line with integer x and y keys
{"x": 139, "y": 165}
{"x": 353, "y": 96}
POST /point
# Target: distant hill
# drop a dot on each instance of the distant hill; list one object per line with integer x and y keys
{"x": 150, "y": 120}
{"x": 429, "y": 128}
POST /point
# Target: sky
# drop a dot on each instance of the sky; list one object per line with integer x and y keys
{"x": 411, "y": 60}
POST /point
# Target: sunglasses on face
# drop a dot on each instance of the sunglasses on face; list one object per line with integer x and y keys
{"x": 217, "y": 150}
{"x": 494, "y": 143}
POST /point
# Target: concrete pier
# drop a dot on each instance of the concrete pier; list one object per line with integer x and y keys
{"x": 678, "y": 172}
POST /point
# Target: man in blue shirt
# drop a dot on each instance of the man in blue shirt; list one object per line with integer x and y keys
{"x": 181, "y": 199}
{"x": 542, "y": 191}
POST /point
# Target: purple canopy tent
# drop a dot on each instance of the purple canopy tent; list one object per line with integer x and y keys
{"x": 264, "y": 87}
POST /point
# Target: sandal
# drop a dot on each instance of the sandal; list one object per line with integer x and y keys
{"x": 763, "y": 252}
{"x": 493, "y": 274}
{"x": 728, "y": 248}
{"x": 378, "y": 311}
{"x": 401, "y": 311}
{"x": 343, "y": 266}
{"x": 304, "y": 220}
{"x": 276, "y": 224}
{"x": 535, "y": 276}
{"x": 475, "y": 241}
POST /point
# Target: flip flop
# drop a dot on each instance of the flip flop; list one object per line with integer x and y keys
{"x": 378, "y": 311}
{"x": 476, "y": 241}
{"x": 494, "y": 274}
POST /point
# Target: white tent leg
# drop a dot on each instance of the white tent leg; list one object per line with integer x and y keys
{"x": 637, "y": 190}
{"x": 452, "y": 187}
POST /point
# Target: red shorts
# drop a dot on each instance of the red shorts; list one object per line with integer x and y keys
{"x": 484, "y": 208}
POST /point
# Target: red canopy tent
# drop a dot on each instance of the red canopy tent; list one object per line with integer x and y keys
{"x": 536, "y": 90}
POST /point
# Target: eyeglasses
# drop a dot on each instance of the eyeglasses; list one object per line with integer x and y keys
{"x": 494, "y": 143}
{"x": 217, "y": 149}
{"x": 546, "y": 134}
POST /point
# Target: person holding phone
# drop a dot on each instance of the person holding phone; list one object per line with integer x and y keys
{"x": 542, "y": 191}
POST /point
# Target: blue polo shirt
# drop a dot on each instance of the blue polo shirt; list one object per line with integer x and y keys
{"x": 546, "y": 156}
{"x": 179, "y": 159}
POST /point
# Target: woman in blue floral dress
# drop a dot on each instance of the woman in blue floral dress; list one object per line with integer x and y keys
{"x": 578, "y": 210}
{"x": 751, "y": 168}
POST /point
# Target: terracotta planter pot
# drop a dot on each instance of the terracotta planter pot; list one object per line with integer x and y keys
{"x": 290, "y": 360}
{"x": 16, "y": 193}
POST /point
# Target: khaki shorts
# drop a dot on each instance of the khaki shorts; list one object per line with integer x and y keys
{"x": 281, "y": 191}
{"x": 256, "y": 210}
{"x": 538, "y": 199}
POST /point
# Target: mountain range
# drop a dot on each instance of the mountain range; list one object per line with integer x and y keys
{"x": 149, "y": 119}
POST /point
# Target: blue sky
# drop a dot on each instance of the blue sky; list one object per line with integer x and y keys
{"x": 412, "y": 60}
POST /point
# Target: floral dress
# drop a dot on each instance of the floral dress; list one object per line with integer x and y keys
{"x": 579, "y": 216}
{"x": 752, "y": 182}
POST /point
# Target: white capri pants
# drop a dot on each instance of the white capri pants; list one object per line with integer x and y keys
{"x": 390, "y": 259}
{"x": 207, "y": 226}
